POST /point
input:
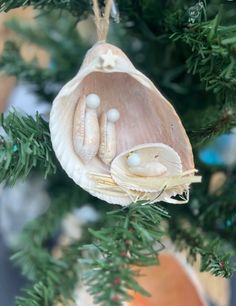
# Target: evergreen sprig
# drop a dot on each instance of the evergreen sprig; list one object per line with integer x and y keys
{"x": 223, "y": 122}
{"x": 214, "y": 258}
{"x": 79, "y": 8}
{"x": 212, "y": 56}
{"x": 219, "y": 215}
{"x": 54, "y": 279}
{"x": 131, "y": 239}
{"x": 24, "y": 145}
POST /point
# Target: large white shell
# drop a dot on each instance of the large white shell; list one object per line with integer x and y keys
{"x": 145, "y": 117}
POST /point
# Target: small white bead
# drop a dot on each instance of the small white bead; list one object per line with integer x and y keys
{"x": 113, "y": 115}
{"x": 93, "y": 101}
{"x": 134, "y": 160}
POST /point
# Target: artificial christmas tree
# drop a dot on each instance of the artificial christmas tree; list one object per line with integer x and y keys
{"x": 187, "y": 48}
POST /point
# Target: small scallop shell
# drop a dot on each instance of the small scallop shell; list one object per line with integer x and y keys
{"x": 164, "y": 184}
{"x": 146, "y": 117}
{"x": 149, "y": 153}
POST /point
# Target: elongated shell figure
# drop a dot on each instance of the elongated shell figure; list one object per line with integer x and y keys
{"x": 117, "y": 137}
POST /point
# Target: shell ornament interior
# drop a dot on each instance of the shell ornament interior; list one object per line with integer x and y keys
{"x": 117, "y": 137}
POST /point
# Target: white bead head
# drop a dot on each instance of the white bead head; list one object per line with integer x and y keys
{"x": 93, "y": 101}
{"x": 134, "y": 160}
{"x": 113, "y": 115}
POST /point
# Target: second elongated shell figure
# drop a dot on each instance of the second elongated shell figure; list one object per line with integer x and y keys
{"x": 117, "y": 137}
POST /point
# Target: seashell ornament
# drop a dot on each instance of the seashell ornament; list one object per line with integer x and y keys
{"x": 115, "y": 134}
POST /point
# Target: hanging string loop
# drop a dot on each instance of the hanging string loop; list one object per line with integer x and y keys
{"x": 102, "y": 19}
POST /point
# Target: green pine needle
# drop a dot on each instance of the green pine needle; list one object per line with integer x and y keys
{"x": 24, "y": 145}
{"x": 131, "y": 238}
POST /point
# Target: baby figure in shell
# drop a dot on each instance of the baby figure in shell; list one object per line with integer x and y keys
{"x": 117, "y": 137}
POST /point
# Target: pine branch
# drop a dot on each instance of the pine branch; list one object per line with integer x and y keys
{"x": 130, "y": 239}
{"x": 39, "y": 265}
{"x": 24, "y": 145}
{"x": 137, "y": 230}
{"x": 79, "y": 8}
{"x": 214, "y": 258}
{"x": 217, "y": 211}
{"x": 212, "y": 56}
{"x": 223, "y": 121}
{"x": 56, "y": 282}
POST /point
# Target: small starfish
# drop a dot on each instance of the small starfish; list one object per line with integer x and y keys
{"x": 108, "y": 60}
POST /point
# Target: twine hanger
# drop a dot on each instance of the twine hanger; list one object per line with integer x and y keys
{"x": 102, "y": 19}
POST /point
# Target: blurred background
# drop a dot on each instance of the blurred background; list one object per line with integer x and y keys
{"x": 30, "y": 198}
